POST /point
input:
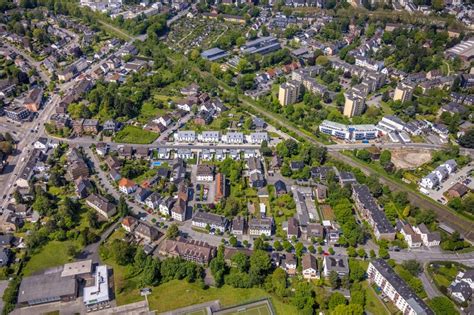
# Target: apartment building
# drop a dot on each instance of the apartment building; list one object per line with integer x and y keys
{"x": 289, "y": 92}
{"x": 402, "y": 296}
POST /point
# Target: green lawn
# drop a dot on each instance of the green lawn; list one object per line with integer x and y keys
{"x": 163, "y": 297}
{"x": 51, "y": 255}
{"x": 132, "y": 134}
{"x": 373, "y": 305}
{"x": 148, "y": 111}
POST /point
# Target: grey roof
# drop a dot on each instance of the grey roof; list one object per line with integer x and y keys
{"x": 210, "y": 218}
{"x": 368, "y": 202}
{"x": 337, "y": 263}
{"x": 463, "y": 288}
{"x": 46, "y": 287}
{"x": 401, "y": 287}
{"x": 238, "y": 223}
{"x": 262, "y": 224}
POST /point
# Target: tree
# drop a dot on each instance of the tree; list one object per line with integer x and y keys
{"x": 413, "y": 267}
{"x": 122, "y": 251}
{"x": 350, "y": 309}
{"x": 287, "y": 246}
{"x": 277, "y": 245}
{"x": 173, "y": 231}
{"x": 218, "y": 267}
{"x": 233, "y": 241}
{"x": 241, "y": 261}
{"x": 303, "y": 297}
{"x": 260, "y": 265}
{"x": 467, "y": 140}
{"x": 364, "y": 155}
{"x": 71, "y": 251}
{"x": 351, "y": 251}
{"x": 372, "y": 254}
{"x": 356, "y": 272}
{"x": 122, "y": 207}
{"x": 299, "y": 247}
{"x": 331, "y": 251}
{"x": 277, "y": 282}
{"x": 322, "y": 60}
{"x": 441, "y": 305}
{"x": 385, "y": 158}
{"x": 334, "y": 279}
{"x": 361, "y": 253}
{"x": 383, "y": 253}
{"x": 336, "y": 299}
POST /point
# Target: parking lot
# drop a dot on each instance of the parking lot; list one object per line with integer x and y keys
{"x": 462, "y": 176}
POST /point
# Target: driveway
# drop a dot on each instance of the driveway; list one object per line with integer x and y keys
{"x": 429, "y": 286}
{"x": 3, "y": 286}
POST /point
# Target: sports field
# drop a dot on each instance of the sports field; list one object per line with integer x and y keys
{"x": 258, "y": 308}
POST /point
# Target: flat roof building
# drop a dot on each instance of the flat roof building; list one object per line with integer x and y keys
{"x": 214, "y": 54}
{"x": 99, "y": 292}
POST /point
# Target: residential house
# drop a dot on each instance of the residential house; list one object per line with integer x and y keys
{"x": 147, "y": 232}
{"x": 127, "y": 186}
{"x": 411, "y": 237}
{"x": 142, "y": 194}
{"x": 293, "y": 229}
{"x": 214, "y": 221}
{"x": 153, "y": 200}
{"x": 310, "y": 267}
{"x": 430, "y": 239}
{"x": 101, "y": 205}
{"x": 129, "y": 223}
{"x": 336, "y": 263}
{"x": 34, "y": 99}
{"x": 256, "y": 178}
{"x": 238, "y": 225}
{"x": 280, "y": 188}
{"x": 205, "y": 173}
{"x": 259, "y": 226}
{"x": 179, "y": 210}
{"x": 83, "y": 187}
{"x": 289, "y": 264}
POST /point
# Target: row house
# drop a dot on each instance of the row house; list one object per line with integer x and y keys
{"x": 259, "y": 226}
{"x": 370, "y": 211}
{"x": 258, "y": 137}
{"x": 186, "y": 136}
{"x": 209, "y": 136}
{"x": 214, "y": 221}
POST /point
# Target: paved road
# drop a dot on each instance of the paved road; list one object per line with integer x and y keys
{"x": 429, "y": 286}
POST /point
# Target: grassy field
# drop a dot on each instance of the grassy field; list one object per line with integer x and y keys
{"x": 443, "y": 276}
{"x": 132, "y": 134}
{"x": 148, "y": 111}
{"x": 51, "y": 255}
{"x": 163, "y": 297}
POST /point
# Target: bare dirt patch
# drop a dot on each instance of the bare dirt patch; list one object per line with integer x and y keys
{"x": 406, "y": 159}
